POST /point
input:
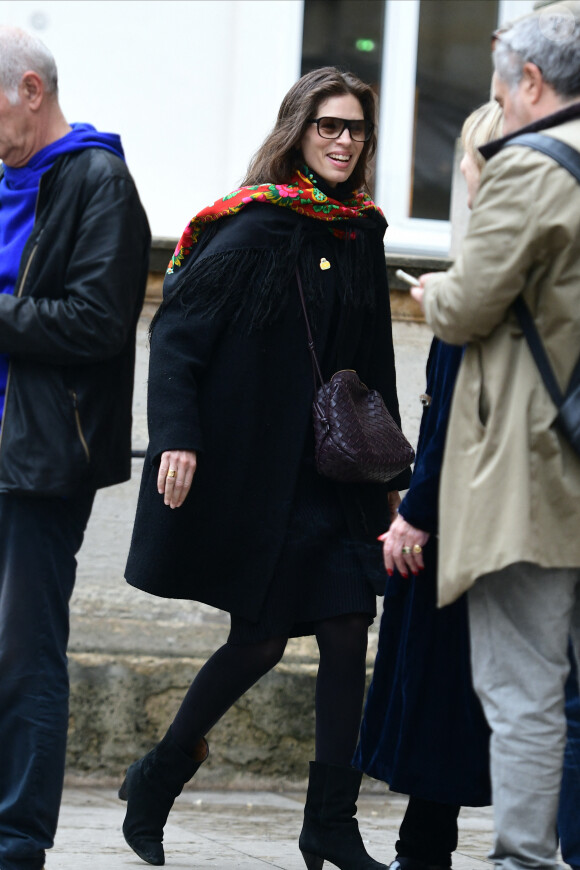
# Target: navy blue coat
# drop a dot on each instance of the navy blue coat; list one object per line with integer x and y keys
{"x": 423, "y": 730}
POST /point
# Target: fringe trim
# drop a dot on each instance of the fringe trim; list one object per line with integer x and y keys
{"x": 251, "y": 286}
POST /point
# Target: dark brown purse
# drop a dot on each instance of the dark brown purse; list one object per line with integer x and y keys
{"x": 356, "y": 439}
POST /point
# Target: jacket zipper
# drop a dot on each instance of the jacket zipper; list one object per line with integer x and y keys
{"x": 80, "y": 433}
{"x": 17, "y": 294}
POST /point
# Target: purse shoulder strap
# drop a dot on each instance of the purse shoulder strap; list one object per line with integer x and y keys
{"x": 316, "y": 372}
{"x": 569, "y": 158}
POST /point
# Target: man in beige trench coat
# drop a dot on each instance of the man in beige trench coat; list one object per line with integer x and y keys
{"x": 510, "y": 488}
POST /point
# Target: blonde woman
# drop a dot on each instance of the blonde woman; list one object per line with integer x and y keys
{"x": 423, "y": 730}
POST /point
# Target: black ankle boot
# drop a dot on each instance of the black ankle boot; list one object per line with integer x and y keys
{"x": 150, "y": 788}
{"x": 330, "y": 831}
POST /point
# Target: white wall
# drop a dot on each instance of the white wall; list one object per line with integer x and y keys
{"x": 511, "y": 9}
{"x": 192, "y": 86}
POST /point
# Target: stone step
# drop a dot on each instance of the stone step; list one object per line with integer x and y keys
{"x": 121, "y": 705}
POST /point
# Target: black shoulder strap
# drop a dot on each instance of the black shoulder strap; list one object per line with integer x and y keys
{"x": 316, "y": 370}
{"x": 559, "y": 151}
{"x": 569, "y": 158}
{"x": 526, "y": 320}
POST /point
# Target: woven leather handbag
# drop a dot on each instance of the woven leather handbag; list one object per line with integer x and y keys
{"x": 356, "y": 439}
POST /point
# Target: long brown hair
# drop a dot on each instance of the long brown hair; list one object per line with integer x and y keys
{"x": 279, "y": 156}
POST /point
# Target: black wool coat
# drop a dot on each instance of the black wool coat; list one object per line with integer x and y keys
{"x": 230, "y": 377}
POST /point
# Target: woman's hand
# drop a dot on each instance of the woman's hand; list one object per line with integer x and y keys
{"x": 175, "y": 477}
{"x": 403, "y": 547}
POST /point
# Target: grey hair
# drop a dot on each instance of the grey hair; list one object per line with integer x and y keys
{"x": 550, "y": 39}
{"x": 19, "y": 53}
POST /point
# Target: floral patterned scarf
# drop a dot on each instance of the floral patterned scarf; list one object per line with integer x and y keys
{"x": 301, "y": 195}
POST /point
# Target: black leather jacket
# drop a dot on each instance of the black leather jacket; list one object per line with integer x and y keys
{"x": 70, "y": 330}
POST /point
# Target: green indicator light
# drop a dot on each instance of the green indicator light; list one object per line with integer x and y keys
{"x": 365, "y": 45}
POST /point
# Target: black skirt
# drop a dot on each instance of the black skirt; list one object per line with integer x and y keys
{"x": 320, "y": 573}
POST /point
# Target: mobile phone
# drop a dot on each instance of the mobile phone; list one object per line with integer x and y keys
{"x": 408, "y": 279}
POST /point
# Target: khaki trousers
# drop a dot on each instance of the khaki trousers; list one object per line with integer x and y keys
{"x": 520, "y": 620}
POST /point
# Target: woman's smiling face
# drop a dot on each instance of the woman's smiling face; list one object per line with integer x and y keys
{"x": 333, "y": 160}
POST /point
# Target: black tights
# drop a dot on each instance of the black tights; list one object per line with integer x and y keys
{"x": 233, "y": 669}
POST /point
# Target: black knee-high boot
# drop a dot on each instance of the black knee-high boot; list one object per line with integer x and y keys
{"x": 330, "y": 831}
{"x": 150, "y": 788}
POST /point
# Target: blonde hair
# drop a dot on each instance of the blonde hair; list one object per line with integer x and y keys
{"x": 483, "y": 125}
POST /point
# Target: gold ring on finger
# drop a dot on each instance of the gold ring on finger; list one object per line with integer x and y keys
{"x": 172, "y": 473}
{"x": 417, "y": 548}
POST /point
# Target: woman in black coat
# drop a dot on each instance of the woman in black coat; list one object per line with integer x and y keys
{"x": 232, "y": 510}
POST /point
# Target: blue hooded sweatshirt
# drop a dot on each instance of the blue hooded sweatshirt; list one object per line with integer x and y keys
{"x": 18, "y": 194}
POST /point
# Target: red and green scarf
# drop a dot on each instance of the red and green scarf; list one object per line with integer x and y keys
{"x": 300, "y": 195}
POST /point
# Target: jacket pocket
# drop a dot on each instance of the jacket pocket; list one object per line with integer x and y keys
{"x": 42, "y": 450}
{"x": 483, "y": 399}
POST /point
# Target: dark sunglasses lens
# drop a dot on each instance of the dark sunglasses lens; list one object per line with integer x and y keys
{"x": 360, "y": 131}
{"x": 330, "y": 128}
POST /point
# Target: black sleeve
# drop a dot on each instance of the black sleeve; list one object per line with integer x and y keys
{"x": 181, "y": 347}
{"x": 420, "y": 507}
{"x": 89, "y": 317}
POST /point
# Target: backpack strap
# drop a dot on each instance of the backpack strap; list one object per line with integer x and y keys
{"x": 559, "y": 151}
{"x": 569, "y": 158}
{"x": 539, "y": 354}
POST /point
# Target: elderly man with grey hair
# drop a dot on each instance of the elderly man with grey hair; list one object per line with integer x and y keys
{"x": 74, "y": 243}
{"x": 510, "y": 487}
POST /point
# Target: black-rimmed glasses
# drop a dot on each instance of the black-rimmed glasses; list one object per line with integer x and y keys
{"x": 332, "y": 128}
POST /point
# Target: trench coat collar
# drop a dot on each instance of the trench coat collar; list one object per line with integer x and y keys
{"x": 555, "y": 119}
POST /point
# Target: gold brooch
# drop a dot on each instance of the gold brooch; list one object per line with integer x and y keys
{"x": 324, "y": 264}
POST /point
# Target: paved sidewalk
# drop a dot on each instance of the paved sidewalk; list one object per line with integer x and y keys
{"x": 211, "y": 830}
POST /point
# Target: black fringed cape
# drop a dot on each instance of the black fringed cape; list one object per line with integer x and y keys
{"x": 230, "y": 377}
